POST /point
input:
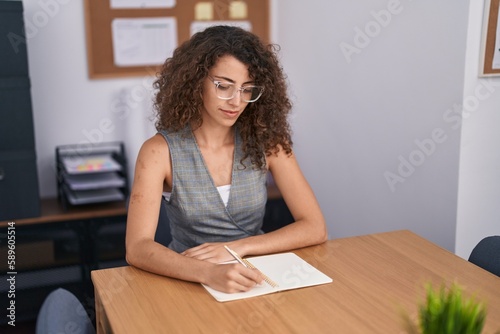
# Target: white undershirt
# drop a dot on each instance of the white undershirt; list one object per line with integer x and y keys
{"x": 223, "y": 192}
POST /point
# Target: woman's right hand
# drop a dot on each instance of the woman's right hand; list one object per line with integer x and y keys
{"x": 233, "y": 277}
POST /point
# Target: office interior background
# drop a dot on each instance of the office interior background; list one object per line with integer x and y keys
{"x": 393, "y": 127}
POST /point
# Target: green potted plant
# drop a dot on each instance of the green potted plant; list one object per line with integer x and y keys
{"x": 448, "y": 311}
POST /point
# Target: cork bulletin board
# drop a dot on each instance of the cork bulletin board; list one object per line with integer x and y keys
{"x": 490, "y": 55}
{"x": 134, "y": 37}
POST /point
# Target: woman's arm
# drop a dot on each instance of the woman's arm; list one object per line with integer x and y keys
{"x": 308, "y": 229}
{"x": 152, "y": 171}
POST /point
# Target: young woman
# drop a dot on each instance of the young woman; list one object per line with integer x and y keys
{"x": 222, "y": 111}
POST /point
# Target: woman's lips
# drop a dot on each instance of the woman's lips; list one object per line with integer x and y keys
{"x": 230, "y": 113}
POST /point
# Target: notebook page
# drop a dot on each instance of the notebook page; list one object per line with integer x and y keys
{"x": 287, "y": 269}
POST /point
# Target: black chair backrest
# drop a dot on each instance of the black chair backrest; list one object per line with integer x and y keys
{"x": 163, "y": 235}
{"x": 486, "y": 254}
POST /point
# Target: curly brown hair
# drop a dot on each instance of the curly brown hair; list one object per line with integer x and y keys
{"x": 264, "y": 126}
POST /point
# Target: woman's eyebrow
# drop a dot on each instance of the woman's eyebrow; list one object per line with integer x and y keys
{"x": 230, "y": 80}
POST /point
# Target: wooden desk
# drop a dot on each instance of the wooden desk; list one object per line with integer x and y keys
{"x": 375, "y": 277}
{"x": 51, "y": 211}
{"x": 61, "y": 247}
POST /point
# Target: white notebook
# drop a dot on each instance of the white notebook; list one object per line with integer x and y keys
{"x": 288, "y": 270}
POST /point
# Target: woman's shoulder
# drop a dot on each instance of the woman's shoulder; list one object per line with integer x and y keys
{"x": 155, "y": 144}
{"x": 154, "y": 154}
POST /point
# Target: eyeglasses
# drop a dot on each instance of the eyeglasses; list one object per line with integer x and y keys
{"x": 227, "y": 91}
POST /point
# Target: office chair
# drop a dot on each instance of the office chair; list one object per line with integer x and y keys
{"x": 486, "y": 254}
{"x": 62, "y": 312}
{"x": 163, "y": 235}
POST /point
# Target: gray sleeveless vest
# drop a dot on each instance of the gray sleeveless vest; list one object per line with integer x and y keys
{"x": 195, "y": 209}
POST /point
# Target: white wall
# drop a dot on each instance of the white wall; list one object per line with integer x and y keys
{"x": 358, "y": 117}
{"x": 69, "y": 108}
{"x": 353, "y": 121}
{"x": 479, "y": 183}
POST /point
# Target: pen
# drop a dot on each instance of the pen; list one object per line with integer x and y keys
{"x": 235, "y": 255}
{"x": 247, "y": 264}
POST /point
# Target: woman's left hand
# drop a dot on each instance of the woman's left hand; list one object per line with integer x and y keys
{"x": 212, "y": 252}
